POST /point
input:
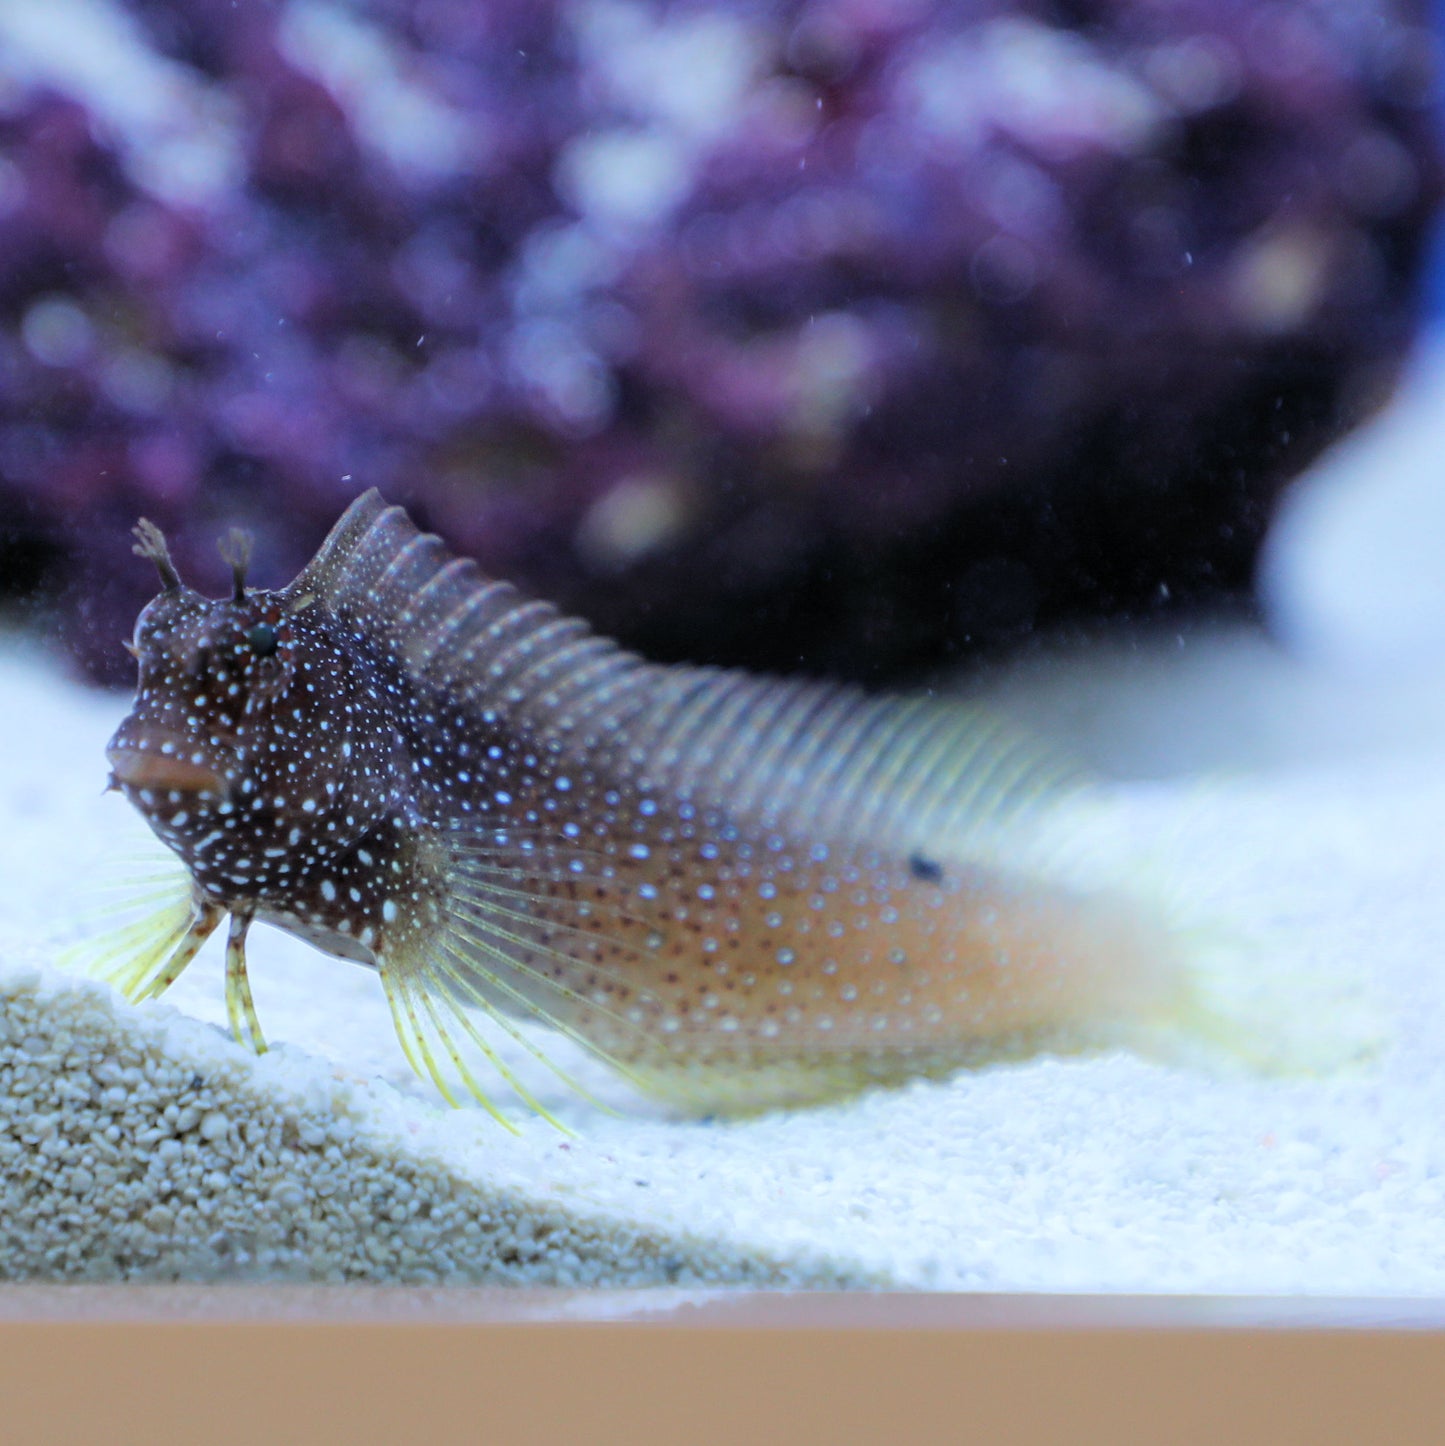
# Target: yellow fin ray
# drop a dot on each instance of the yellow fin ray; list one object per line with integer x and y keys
{"x": 509, "y": 933}
{"x": 459, "y": 1064}
{"x": 495, "y": 1060}
{"x": 162, "y": 927}
{"x": 478, "y": 941}
{"x": 486, "y": 901}
{"x": 240, "y": 1008}
{"x": 411, "y": 1032}
{"x": 430, "y": 985}
{"x": 457, "y": 976}
{"x": 203, "y": 922}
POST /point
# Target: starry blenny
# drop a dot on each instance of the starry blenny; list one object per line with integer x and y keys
{"x": 741, "y": 891}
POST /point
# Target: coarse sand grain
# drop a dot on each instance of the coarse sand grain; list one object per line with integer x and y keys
{"x": 143, "y": 1143}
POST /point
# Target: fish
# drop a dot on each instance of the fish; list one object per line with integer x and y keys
{"x": 742, "y": 892}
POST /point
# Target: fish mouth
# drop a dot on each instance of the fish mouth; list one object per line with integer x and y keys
{"x": 137, "y": 767}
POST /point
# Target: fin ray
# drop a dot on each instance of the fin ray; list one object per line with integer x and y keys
{"x": 900, "y": 772}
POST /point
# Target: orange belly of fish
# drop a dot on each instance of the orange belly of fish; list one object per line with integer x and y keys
{"x": 813, "y": 989}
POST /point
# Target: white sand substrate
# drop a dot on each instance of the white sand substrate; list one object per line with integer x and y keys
{"x": 1299, "y": 812}
{"x": 142, "y": 1142}
{"x": 1290, "y": 813}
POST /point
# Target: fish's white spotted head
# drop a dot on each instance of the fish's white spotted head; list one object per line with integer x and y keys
{"x": 259, "y": 742}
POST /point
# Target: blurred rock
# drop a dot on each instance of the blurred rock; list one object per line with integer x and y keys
{"x": 1352, "y": 576}
{"x": 801, "y": 333}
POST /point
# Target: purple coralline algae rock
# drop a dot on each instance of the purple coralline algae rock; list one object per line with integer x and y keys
{"x": 836, "y": 334}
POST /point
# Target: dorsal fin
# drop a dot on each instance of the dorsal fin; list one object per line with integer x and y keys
{"x": 813, "y": 759}
{"x": 325, "y": 573}
{"x": 439, "y": 616}
{"x": 828, "y": 761}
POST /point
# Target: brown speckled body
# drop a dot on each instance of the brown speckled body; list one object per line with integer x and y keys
{"x": 743, "y": 891}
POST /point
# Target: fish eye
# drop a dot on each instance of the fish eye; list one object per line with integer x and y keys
{"x": 262, "y": 639}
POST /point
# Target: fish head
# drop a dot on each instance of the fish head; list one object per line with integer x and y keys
{"x": 248, "y": 749}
